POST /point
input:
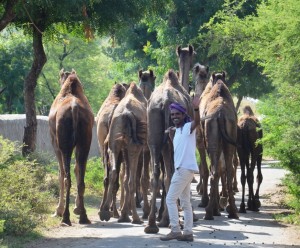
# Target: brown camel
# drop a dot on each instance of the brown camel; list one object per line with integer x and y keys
{"x": 249, "y": 134}
{"x": 71, "y": 122}
{"x": 201, "y": 78}
{"x": 147, "y": 82}
{"x": 147, "y": 85}
{"x": 126, "y": 138}
{"x": 219, "y": 122}
{"x": 159, "y": 143}
{"x": 103, "y": 121}
{"x": 185, "y": 60}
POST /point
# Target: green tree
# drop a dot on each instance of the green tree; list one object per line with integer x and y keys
{"x": 269, "y": 38}
{"x": 41, "y": 18}
{"x": 15, "y": 59}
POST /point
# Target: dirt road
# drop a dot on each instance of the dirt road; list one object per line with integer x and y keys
{"x": 253, "y": 229}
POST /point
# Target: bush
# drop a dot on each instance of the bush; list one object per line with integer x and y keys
{"x": 94, "y": 175}
{"x": 22, "y": 201}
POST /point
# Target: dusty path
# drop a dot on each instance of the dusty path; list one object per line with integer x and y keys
{"x": 254, "y": 229}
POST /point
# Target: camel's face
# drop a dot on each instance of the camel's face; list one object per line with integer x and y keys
{"x": 200, "y": 72}
{"x": 147, "y": 82}
{"x": 63, "y": 75}
{"x": 218, "y": 76}
{"x": 200, "y": 77}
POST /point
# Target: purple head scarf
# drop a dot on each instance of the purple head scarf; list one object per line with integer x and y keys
{"x": 181, "y": 109}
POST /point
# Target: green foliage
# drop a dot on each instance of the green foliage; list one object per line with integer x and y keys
{"x": 293, "y": 182}
{"x": 15, "y": 59}
{"x": 94, "y": 69}
{"x": 23, "y": 201}
{"x": 94, "y": 176}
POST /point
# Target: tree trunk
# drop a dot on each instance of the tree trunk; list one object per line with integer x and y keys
{"x": 30, "y": 83}
{"x": 238, "y": 104}
{"x": 9, "y": 13}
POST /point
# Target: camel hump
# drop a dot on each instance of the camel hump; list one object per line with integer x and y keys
{"x": 75, "y": 85}
{"x": 222, "y": 125}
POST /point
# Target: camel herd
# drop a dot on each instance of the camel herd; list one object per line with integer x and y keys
{"x": 136, "y": 149}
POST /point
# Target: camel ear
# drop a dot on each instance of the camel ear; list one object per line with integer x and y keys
{"x": 191, "y": 49}
{"x": 73, "y": 71}
{"x": 223, "y": 75}
{"x": 61, "y": 72}
{"x": 197, "y": 68}
{"x": 151, "y": 73}
{"x": 178, "y": 50}
{"x": 140, "y": 73}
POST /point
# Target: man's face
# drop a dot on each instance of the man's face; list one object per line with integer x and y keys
{"x": 177, "y": 117}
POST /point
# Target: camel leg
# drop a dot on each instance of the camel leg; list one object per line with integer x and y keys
{"x": 116, "y": 185}
{"x": 145, "y": 183}
{"x": 231, "y": 208}
{"x": 203, "y": 170}
{"x": 105, "y": 184}
{"x": 61, "y": 202}
{"x": 243, "y": 180}
{"x": 124, "y": 216}
{"x": 116, "y": 159}
{"x": 138, "y": 196}
{"x": 259, "y": 179}
{"x": 81, "y": 160}
{"x": 155, "y": 154}
{"x": 235, "y": 166}
{"x": 67, "y": 182}
{"x": 214, "y": 180}
{"x": 133, "y": 160}
{"x": 169, "y": 170}
{"x": 224, "y": 193}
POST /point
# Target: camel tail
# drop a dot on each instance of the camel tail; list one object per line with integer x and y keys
{"x": 132, "y": 131}
{"x": 75, "y": 114}
{"x": 221, "y": 124}
{"x": 166, "y": 120}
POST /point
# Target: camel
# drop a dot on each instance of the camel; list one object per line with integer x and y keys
{"x": 71, "y": 122}
{"x": 185, "y": 60}
{"x": 201, "y": 78}
{"x": 125, "y": 141}
{"x": 147, "y": 82}
{"x": 159, "y": 143}
{"x": 249, "y": 133}
{"x": 219, "y": 121}
{"x": 147, "y": 85}
{"x": 103, "y": 121}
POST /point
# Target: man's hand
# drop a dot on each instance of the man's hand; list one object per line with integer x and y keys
{"x": 196, "y": 101}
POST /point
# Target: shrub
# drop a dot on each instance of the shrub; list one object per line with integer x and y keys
{"x": 22, "y": 201}
{"x": 94, "y": 175}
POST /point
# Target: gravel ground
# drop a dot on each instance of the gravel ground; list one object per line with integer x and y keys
{"x": 253, "y": 229}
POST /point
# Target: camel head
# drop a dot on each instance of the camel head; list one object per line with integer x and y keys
{"x": 216, "y": 76}
{"x": 63, "y": 75}
{"x": 200, "y": 77}
{"x": 185, "y": 60}
{"x": 147, "y": 82}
